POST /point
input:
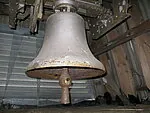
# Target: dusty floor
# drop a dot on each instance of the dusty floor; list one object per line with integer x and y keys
{"x": 95, "y": 109}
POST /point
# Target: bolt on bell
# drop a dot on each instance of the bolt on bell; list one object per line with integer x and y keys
{"x": 65, "y": 46}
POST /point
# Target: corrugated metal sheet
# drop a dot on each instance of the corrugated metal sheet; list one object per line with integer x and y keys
{"x": 17, "y": 49}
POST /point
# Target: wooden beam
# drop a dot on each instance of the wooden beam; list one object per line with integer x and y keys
{"x": 111, "y": 85}
{"x": 127, "y": 36}
{"x": 122, "y": 67}
{"x": 141, "y": 44}
{"x": 12, "y": 13}
{"x": 4, "y": 9}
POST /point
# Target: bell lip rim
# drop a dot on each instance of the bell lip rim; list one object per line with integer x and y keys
{"x": 55, "y": 67}
{"x": 103, "y": 73}
{"x": 88, "y": 78}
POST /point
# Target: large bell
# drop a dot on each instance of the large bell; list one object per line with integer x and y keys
{"x": 65, "y": 48}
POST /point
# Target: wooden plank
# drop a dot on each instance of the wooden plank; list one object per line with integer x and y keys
{"x": 122, "y": 67}
{"x": 111, "y": 85}
{"x": 127, "y": 36}
{"x": 142, "y": 45}
{"x": 142, "y": 49}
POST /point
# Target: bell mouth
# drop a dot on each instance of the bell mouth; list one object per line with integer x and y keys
{"x": 76, "y": 73}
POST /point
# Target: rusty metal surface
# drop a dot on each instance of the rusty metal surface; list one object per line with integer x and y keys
{"x": 65, "y": 45}
{"x": 74, "y": 72}
{"x": 65, "y": 82}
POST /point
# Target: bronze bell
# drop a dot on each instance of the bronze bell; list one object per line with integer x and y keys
{"x": 65, "y": 54}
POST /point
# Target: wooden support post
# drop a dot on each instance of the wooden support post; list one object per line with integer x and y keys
{"x": 141, "y": 43}
{"x": 111, "y": 85}
{"x": 122, "y": 67}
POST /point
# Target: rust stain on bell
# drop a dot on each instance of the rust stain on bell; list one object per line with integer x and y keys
{"x": 65, "y": 46}
{"x": 55, "y": 63}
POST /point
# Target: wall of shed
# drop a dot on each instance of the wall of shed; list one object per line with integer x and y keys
{"x": 131, "y": 60}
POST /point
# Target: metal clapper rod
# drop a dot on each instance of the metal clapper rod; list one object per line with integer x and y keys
{"x": 65, "y": 82}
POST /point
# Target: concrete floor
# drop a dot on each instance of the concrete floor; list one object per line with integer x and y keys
{"x": 95, "y": 109}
